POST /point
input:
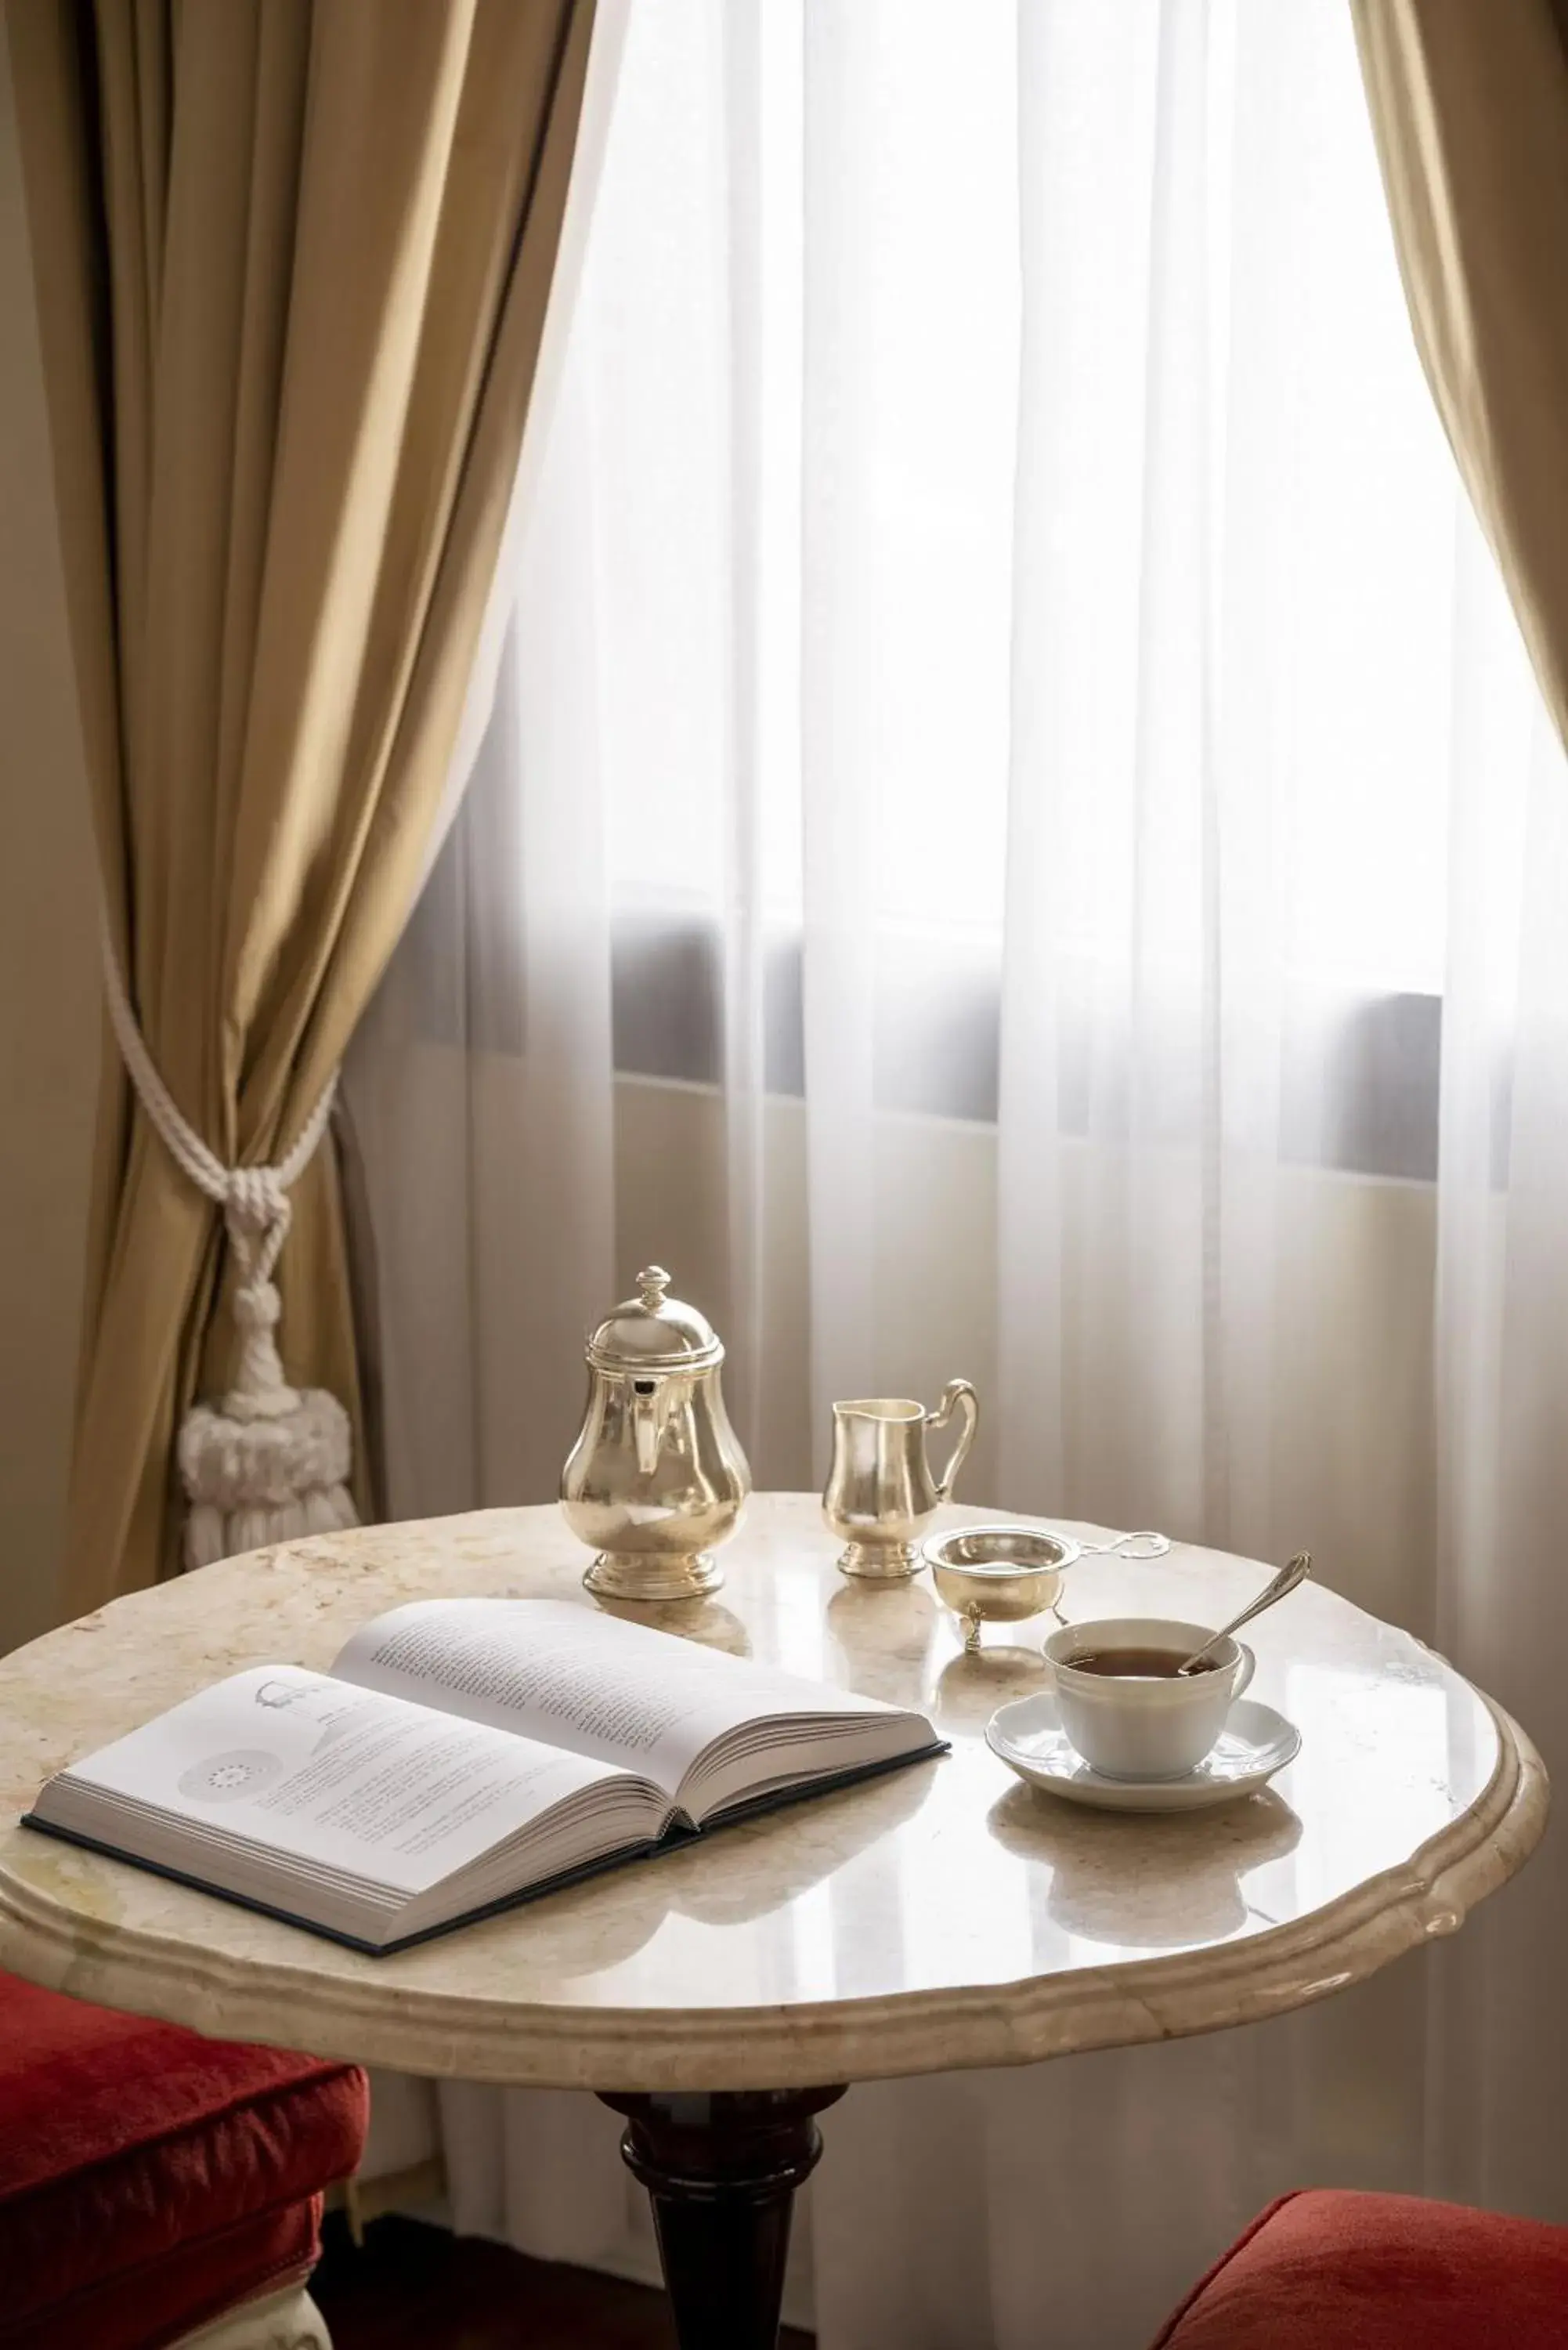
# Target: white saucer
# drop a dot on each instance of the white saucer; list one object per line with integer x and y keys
{"x": 1255, "y": 1743}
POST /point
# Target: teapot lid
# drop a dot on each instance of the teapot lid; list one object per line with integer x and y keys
{"x": 651, "y": 1332}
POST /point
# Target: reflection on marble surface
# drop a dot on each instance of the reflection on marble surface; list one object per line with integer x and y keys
{"x": 969, "y": 1688}
{"x": 880, "y": 1637}
{"x": 707, "y": 1620}
{"x": 1201, "y": 1888}
{"x": 944, "y": 1914}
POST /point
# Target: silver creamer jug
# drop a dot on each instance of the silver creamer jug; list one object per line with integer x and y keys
{"x": 657, "y": 1477}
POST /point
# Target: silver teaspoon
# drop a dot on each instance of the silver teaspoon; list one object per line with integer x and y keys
{"x": 1295, "y": 1571}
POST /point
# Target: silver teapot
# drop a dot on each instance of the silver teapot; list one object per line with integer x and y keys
{"x": 657, "y": 1477}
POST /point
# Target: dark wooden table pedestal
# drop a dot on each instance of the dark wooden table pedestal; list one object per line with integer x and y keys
{"x": 722, "y": 2168}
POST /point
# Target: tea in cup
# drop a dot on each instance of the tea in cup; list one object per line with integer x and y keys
{"x": 1125, "y": 1705}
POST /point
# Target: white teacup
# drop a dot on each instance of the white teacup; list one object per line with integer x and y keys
{"x": 1129, "y": 1727}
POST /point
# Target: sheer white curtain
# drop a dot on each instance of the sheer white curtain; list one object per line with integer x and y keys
{"x": 1017, "y": 839}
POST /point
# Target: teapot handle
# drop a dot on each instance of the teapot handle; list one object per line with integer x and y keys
{"x": 957, "y": 1395}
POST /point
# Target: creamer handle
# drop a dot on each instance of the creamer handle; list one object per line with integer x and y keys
{"x": 957, "y": 1395}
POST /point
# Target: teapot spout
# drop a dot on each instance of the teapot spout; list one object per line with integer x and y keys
{"x": 645, "y": 1426}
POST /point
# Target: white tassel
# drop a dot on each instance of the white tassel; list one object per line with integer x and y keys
{"x": 250, "y": 1482}
{"x": 268, "y": 1462}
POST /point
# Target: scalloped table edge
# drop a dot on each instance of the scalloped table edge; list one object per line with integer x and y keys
{"x": 374, "y": 2020}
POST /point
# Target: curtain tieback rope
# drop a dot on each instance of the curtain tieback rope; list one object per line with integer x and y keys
{"x": 269, "y": 1463}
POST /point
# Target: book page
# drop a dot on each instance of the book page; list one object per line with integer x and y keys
{"x": 566, "y": 1674}
{"x": 341, "y": 1777}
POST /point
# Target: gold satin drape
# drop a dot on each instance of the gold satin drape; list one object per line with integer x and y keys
{"x": 1469, "y": 105}
{"x": 291, "y": 261}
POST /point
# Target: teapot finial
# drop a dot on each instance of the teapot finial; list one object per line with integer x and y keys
{"x": 651, "y": 1284}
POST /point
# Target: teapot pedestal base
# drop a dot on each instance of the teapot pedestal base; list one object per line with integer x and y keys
{"x": 647, "y": 1575}
{"x": 880, "y": 1562}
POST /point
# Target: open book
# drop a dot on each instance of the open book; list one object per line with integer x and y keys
{"x": 460, "y": 1755}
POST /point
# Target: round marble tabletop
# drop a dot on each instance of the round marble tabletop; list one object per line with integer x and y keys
{"x": 943, "y": 1915}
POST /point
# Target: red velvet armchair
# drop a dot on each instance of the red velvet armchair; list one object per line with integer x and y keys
{"x": 156, "y": 2187}
{"x": 1333, "y": 2270}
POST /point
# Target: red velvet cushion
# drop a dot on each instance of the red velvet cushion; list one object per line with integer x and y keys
{"x": 151, "y": 2179}
{"x": 1334, "y": 2270}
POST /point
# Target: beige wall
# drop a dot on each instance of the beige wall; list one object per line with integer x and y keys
{"x": 48, "y": 989}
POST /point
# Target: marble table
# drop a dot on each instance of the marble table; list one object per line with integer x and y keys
{"x": 945, "y": 1915}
